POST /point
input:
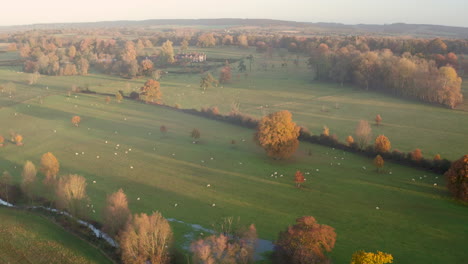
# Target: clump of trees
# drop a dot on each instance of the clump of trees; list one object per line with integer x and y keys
{"x": 151, "y": 90}
{"x": 305, "y": 242}
{"x": 230, "y": 247}
{"x": 146, "y": 238}
{"x": 457, "y": 178}
{"x": 278, "y": 135}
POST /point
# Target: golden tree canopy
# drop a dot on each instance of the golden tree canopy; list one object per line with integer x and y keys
{"x": 151, "y": 90}
{"x": 278, "y": 134}
{"x": 416, "y": 155}
{"x": 382, "y": 144}
{"x": 116, "y": 213}
{"x": 49, "y": 166}
{"x": 362, "y": 257}
{"x": 379, "y": 162}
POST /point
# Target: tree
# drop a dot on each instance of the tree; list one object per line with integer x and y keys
{"x": 208, "y": 81}
{"x": 379, "y": 162}
{"x": 437, "y": 157}
{"x": 363, "y": 134}
{"x": 227, "y": 247}
{"x": 242, "y": 67}
{"x": 72, "y": 52}
{"x": 145, "y": 239}
{"x": 378, "y": 119}
{"x": 184, "y": 46}
{"x": 242, "y": 41}
{"x": 362, "y": 257}
{"x": 5, "y": 182}
{"x": 167, "y": 52}
{"x": 146, "y": 67}
{"x": 151, "y": 91}
{"x": 251, "y": 60}
{"x": 225, "y": 75}
{"x": 163, "y": 129}
{"x": 76, "y": 120}
{"x": 457, "y": 178}
{"x": 71, "y": 194}
{"x": 277, "y": 134}
{"x": 50, "y": 167}
{"x": 416, "y": 155}
{"x": 107, "y": 99}
{"x": 18, "y": 139}
{"x": 118, "y": 97}
{"x": 299, "y": 179}
{"x": 306, "y": 242}
{"x": 350, "y": 140}
{"x": 206, "y": 40}
{"x": 325, "y": 131}
{"x": 28, "y": 179}
{"x": 382, "y": 144}
{"x": 116, "y": 213}
{"x": 195, "y": 134}
{"x": 2, "y": 140}
{"x": 450, "y": 92}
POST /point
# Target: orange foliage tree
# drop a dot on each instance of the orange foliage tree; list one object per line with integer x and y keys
{"x": 225, "y": 75}
{"x": 379, "y": 162}
{"x": 18, "y": 139}
{"x": 382, "y": 144}
{"x": 362, "y": 257}
{"x": 116, "y": 213}
{"x": 50, "y": 167}
{"x": 326, "y": 131}
{"x": 416, "y": 155}
{"x": 151, "y": 90}
{"x": 146, "y": 239}
{"x": 278, "y": 134}
{"x": 299, "y": 178}
{"x": 76, "y": 120}
{"x": 437, "y": 157}
{"x": 305, "y": 242}
{"x": 2, "y": 140}
{"x": 350, "y": 140}
{"x": 378, "y": 119}
{"x": 457, "y": 178}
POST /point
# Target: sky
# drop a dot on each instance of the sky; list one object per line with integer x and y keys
{"x": 439, "y": 12}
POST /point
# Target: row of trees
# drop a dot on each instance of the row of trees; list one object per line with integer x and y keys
{"x": 406, "y": 75}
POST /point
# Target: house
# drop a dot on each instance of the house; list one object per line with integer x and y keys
{"x": 190, "y": 57}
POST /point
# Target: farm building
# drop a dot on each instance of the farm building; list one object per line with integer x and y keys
{"x": 191, "y": 57}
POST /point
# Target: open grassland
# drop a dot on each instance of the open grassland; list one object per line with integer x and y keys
{"x": 28, "y": 238}
{"x": 408, "y": 124}
{"x": 120, "y": 146}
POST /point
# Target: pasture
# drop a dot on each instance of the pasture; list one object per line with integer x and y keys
{"x": 403, "y": 211}
{"x": 29, "y": 238}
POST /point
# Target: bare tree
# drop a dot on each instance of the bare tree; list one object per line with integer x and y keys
{"x": 116, "y": 213}
{"x": 71, "y": 194}
{"x": 363, "y": 134}
{"x": 29, "y": 178}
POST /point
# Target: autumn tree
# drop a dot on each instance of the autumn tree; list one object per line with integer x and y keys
{"x": 379, "y": 162}
{"x": 167, "y": 52}
{"x": 195, "y": 134}
{"x": 306, "y": 242}
{"x": 145, "y": 239}
{"x": 325, "y": 131}
{"x": 151, "y": 90}
{"x": 18, "y": 139}
{"x": 208, "y": 81}
{"x": 146, "y": 67}
{"x": 437, "y": 157}
{"x": 118, "y": 97}
{"x": 71, "y": 194}
{"x": 116, "y": 213}
{"x": 206, "y": 40}
{"x": 378, "y": 119}
{"x": 50, "y": 167}
{"x": 227, "y": 247}
{"x": 277, "y": 134}
{"x": 184, "y": 46}
{"x": 76, "y": 120}
{"x": 349, "y": 140}
{"x": 382, "y": 144}
{"x": 299, "y": 179}
{"x": 5, "y": 183}
{"x": 416, "y": 155}
{"x": 362, "y": 257}
{"x": 28, "y": 179}
{"x": 363, "y": 134}
{"x": 450, "y": 93}
{"x": 2, "y": 140}
{"x": 225, "y": 75}
{"x": 242, "y": 41}
{"x": 457, "y": 178}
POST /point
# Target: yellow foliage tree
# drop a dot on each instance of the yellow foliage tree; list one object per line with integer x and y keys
{"x": 379, "y": 162}
{"x": 116, "y": 213}
{"x": 382, "y": 144}
{"x": 326, "y": 131}
{"x": 118, "y": 97}
{"x": 71, "y": 194}
{"x": 50, "y": 167}
{"x": 76, "y": 120}
{"x": 437, "y": 157}
{"x": 362, "y": 257}
{"x": 151, "y": 90}
{"x": 278, "y": 134}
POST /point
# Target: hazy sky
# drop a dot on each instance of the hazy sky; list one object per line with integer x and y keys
{"x": 441, "y": 12}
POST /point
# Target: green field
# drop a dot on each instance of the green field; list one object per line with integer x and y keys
{"x": 417, "y": 221}
{"x": 28, "y": 238}
{"x": 408, "y": 124}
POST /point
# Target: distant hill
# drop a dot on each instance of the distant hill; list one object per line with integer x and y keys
{"x": 420, "y": 30}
